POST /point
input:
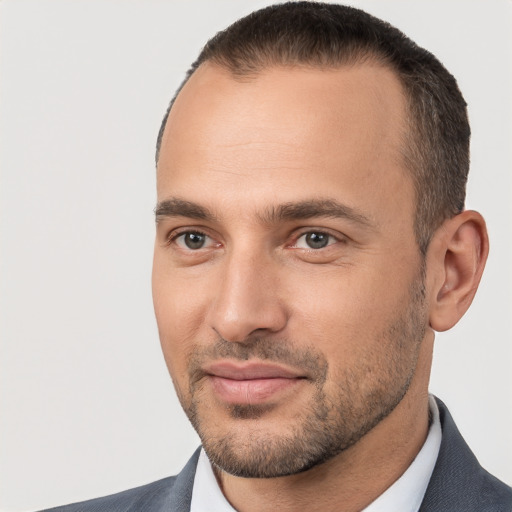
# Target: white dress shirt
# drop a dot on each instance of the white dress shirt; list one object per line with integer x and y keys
{"x": 405, "y": 495}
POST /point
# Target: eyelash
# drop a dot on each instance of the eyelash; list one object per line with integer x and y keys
{"x": 316, "y": 232}
{"x": 175, "y": 235}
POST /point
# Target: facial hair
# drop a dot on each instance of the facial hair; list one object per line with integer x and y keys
{"x": 331, "y": 421}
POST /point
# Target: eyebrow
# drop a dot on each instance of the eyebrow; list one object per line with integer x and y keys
{"x": 309, "y": 209}
{"x": 298, "y": 210}
{"x": 175, "y": 207}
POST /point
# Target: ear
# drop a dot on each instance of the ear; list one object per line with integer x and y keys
{"x": 455, "y": 261}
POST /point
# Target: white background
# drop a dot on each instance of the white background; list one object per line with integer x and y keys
{"x": 87, "y": 407}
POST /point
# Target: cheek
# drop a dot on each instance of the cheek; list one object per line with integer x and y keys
{"x": 178, "y": 297}
{"x": 338, "y": 302}
{"x": 346, "y": 315}
{"x": 179, "y": 309}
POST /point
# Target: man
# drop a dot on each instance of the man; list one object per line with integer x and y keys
{"x": 311, "y": 237}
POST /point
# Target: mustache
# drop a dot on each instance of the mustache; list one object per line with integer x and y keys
{"x": 307, "y": 360}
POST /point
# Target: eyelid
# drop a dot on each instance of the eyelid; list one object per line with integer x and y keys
{"x": 172, "y": 237}
{"x": 175, "y": 233}
{"x": 305, "y": 231}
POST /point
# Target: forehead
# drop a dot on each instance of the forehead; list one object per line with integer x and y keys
{"x": 290, "y": 132}
{"x": 360, "y": 99}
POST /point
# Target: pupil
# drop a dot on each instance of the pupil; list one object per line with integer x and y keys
{"x": 317, "y": 240}
{"x": 194, "y": 240}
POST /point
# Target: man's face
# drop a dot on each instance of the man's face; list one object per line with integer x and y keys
{"x": 287, "y": 281}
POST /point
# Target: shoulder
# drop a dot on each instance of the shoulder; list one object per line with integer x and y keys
{"x": 459, "y": 483}
{"x": 171, "y": 494}
{"x": 131, "y": 499}
{"x": 495, "y": 495}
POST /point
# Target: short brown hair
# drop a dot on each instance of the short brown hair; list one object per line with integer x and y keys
{"x": 436, "y": 149}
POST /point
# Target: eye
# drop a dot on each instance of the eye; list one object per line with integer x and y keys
{"x": 192, "y": 240}
{"x": 314, "y": 240}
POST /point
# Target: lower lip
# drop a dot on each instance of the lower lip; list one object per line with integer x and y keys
{"x": 254, "y": 391}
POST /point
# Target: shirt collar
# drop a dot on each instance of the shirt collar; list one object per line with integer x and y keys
{"x": 206, "y": 493}
{"x": 406, "y": 494}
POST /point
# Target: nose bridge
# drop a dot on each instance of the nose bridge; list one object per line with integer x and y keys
{"x": 247, "y": 298}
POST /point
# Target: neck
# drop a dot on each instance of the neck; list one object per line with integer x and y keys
{"x": 353, "y": 479}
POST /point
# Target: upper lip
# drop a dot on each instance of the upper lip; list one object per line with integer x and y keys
{"x": 250, "y": 370}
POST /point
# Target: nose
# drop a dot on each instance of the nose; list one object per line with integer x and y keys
{"x": 247, "y": 301}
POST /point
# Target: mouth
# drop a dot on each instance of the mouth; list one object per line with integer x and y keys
{"x": 250, "y": 383}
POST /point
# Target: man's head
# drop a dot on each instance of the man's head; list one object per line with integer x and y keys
{"x": 435, "y": 145}
{"x": 298, "y": 274}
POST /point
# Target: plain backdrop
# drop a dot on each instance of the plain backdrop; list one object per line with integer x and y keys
{"x": 87, "y": 407}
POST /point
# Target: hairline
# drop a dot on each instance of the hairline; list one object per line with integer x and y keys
{"x": 410, "y": 130}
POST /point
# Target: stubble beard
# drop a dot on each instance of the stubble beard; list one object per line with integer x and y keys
{"x": 328, "y": 425}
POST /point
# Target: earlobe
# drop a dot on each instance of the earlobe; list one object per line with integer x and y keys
{"x": 457, "y": 253}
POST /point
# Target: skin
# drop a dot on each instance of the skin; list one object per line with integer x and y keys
{"x": 351, "y": 323}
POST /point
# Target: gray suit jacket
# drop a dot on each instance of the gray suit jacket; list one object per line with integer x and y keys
{"x": 458, "y": 484}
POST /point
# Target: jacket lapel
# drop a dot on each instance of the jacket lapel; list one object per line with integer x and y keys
{"x": 181, "y": 496}
{"x": 458, "y": 482}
